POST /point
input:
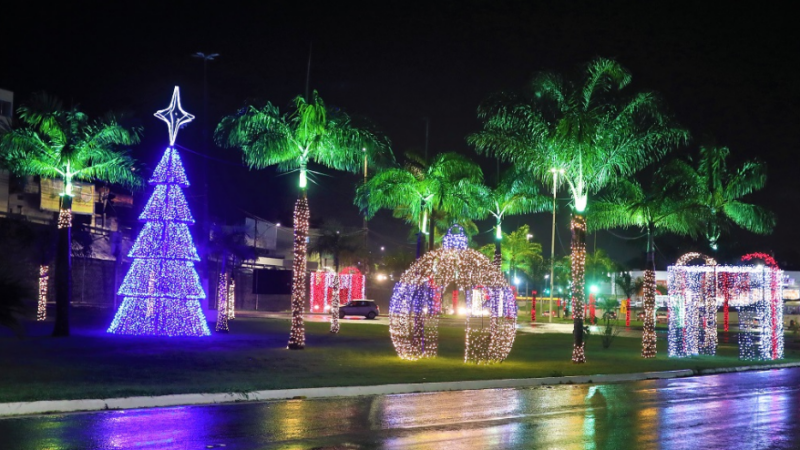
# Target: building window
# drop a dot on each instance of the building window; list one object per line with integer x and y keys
{"x": 5, "y": 108}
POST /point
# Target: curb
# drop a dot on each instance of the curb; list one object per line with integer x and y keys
{"x": 64, "y": 406}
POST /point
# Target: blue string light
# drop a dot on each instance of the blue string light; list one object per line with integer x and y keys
{"x": 167, "y": 204}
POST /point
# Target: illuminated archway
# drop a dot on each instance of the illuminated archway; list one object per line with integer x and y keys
{"x": 415, "y": 306}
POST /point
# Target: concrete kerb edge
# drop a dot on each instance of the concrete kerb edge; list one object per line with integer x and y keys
{"x": 64, "y": 406}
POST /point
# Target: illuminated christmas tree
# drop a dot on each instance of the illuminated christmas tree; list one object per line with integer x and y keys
{"x": 162, "y": 290}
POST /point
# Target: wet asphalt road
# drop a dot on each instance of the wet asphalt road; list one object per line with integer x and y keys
{"x": 754, "y": 410}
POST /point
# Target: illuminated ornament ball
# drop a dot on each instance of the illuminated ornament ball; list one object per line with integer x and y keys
{"x": 415, "y": 306}
{"x": 162, "y": 290}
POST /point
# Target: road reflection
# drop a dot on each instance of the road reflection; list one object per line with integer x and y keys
{"x": 748, "y": 410}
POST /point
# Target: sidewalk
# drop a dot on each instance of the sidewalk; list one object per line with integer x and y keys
{"x": 63, "y": 406}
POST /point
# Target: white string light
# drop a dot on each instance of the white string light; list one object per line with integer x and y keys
{"x": 231, "y": 299}
{"x": 41, "y": 312}
{"x": 297, "y": 333}
{"x": 222, "y": 304}
{"x": 174, "y": 120}
{"x": 578, "y": 265}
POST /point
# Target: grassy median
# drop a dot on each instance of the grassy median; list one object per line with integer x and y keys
{"x": 92, "y": 364}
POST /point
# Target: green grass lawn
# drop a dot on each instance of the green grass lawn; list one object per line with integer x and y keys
{"x": 92, "y": 364}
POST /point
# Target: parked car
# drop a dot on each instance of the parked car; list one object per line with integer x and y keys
{"x": 662, "y": 315}
{"x": 366, "y": 308}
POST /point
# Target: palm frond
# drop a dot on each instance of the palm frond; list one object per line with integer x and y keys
{"x": 52, "y": 139}
{"x": 752, "y": 218}
{"x": 751, "y": 177}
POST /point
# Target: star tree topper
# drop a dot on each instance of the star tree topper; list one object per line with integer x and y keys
{"x": 174, "y": 119}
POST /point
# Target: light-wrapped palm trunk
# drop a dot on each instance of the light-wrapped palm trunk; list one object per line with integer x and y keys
{"x": 335, "y": 301}
{"x": 63, "y": 267}
{"x": 231, "y": 299}
{"x": 44, "y": 277}
{"x": 649, "y": 291}
{"x": 335, "y": 296}
{"x": 578, "y": 227}
{"x": 222, "y": 301}
{"x": 297, "y": 334}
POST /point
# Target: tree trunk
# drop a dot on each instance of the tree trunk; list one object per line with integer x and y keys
{"x": 335, "y": 296}
{"x": 222, "y": 297}
{"x": 578, "y": 286}
{"x": 498, "y": 254}
{"x": 116, "y": 240}
{"x": 419, "y": 244}
{"x": 649, "y": 288}
{"x": 44, "y": 275}
{"x": 431, "y": 236}
{"x": 63, "y": 268}
{"x": 297, "y": 335}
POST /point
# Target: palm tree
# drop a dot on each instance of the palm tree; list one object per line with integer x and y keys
{"x": 342, "y": 244}
{"x": 311, "y": 133}
{"x": 665, "y": 207}
{"x": 53, "y": 142}
{"x": 598, "y": 264}
{"x": 518, "y": 254}
{"x": 608, "y": 305}
{"x": 441, "y": 222}
{"x": 628, "y": 287}
{"x": 585, "y": 128}
{"x": 719, "y": 191}
{"x": 396, "y": 262}
{"x": 421, "y": 189}
{"x": 516, "y": 193}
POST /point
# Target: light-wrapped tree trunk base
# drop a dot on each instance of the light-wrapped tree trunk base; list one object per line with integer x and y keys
{"x": 297, "y": 334}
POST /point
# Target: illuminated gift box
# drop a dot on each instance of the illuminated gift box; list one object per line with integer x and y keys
{"x": 696, "y": 292}
{"x": 351, "y": 287}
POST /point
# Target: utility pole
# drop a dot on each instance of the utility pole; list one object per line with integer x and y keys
{"x": 427, "y": 135}
{"x": 308, "y": 70}
{"x": 204, "y": 240}
{"x": 553, "y": 239}
{"x": 366, "y": 229}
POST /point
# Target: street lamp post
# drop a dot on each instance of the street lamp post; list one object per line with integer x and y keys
{"x": 527, "y": 292}
{"x": 204, "y": 240}
{"x": 553, "y": 238}
{"x": 546, "y": 276}
{"x": 366, "y": 230}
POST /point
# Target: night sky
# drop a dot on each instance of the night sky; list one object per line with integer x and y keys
{"x": 727, "y": 72}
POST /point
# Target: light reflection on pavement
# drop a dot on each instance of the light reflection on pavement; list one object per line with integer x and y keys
{"x": 744, "y": 410}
